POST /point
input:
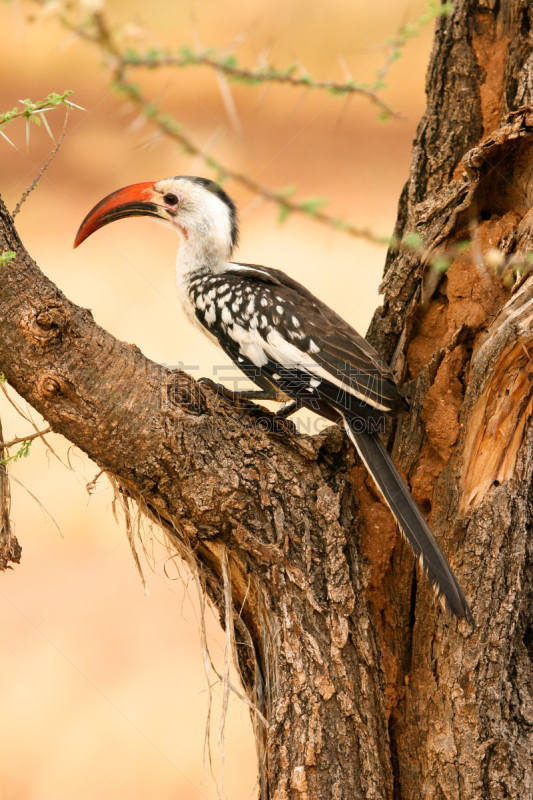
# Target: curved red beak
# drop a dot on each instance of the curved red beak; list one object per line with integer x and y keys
{"x": 131, "y": 201}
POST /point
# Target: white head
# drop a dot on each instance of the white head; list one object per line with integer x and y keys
{"x": 198, "y": 209}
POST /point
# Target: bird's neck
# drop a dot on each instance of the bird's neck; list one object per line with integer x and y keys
{"x": 201, "y": 254}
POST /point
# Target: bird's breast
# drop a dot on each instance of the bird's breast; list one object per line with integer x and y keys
{"x": 191, "y": 303}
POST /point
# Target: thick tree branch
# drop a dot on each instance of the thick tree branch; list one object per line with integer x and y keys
{"x": 277, "y": 505}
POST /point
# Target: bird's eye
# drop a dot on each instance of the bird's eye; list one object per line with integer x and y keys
{"x": 171, "y": 199}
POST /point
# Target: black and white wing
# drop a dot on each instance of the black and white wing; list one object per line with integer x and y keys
{"x": 289, "y": 335}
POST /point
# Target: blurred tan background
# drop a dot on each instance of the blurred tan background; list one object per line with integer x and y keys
{"x": 102, "y": 688}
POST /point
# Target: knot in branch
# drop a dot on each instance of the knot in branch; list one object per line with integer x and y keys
{"x": 45, "y": 326}
{"x": 50, "y": 386}
{"x": 183, "y": 393}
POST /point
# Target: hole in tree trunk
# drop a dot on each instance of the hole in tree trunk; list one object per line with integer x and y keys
{"x": 528, "y": 641}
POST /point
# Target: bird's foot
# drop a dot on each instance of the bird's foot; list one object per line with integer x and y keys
{"x": 247, "y": 395}
{"x": 219, "y": 390}
{"x": 287, "y": 410}
{"x": 244, "y": 402}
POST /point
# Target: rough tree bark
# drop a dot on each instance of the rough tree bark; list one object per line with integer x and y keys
{"x": 363, "y": 687}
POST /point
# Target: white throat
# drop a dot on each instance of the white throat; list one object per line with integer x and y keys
{"x": 206, "y": 234}
{"x": 196, "y": 258}
{"x": 205, "y": 226}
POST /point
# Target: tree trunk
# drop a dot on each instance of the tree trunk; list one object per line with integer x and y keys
{"x": 361, "y": 687}
{"x": 462, "y": 704}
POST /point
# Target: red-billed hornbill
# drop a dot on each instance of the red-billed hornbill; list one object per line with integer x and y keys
{"x": 284, "y": 339}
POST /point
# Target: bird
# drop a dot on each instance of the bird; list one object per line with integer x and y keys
{"x": 287, "y": 341}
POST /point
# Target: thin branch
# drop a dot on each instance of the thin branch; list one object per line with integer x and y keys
{"x": 28, "y": 418}
{"x": 91, "y": 486}
{"x": 405, "y": 32}
{"x": 255, "y": 75}
{"x": 31, "y": 109}
{"x": 32, "y": 186}
{"x": 30, "y": 438}
{"x": 12, "y": 478}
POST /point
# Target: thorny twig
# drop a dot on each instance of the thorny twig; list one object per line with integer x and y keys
{"x": 293, "y": 75}
{"x": 121, "y": 84}
{"x": 30, "y": 438}
{"x": 28, "y": 418}
{"x": 255, "y": 75}
{"x": 407, "y": 31}
{"x": 91, "y": 486}
{"x": 35, "y": 112}
{"x": 34, "y": 183}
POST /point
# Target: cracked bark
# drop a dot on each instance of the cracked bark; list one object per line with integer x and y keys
{"x": 368, "y": 689}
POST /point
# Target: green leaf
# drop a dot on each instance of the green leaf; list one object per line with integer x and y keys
{"x": 441, "y": 264}
{"x": 341, "y": 224}
{"x": 6, "y": 257}
{"x": 444, "y": 9}
{"x": 313, "y": 204}
{"x": 287, "y": 191}
{"x": 131, "y": 54}
{"x": 23, "y": 452}
{"x": 283, "y": 213}
{"x": 413, "y": 240}
{"x": 229, "y": 61}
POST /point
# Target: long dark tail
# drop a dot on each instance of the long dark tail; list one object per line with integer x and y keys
{"x": 409, "y": 517}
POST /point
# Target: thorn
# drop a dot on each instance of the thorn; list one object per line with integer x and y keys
{"x": 125, "y": 109}
{"x": 212, "y": 142}
{"x": 301, "y": 67}
{"x": 238, "y": 41}
{"x": 299, "y": 103}
{"x": 348, "y": 77}
{"x": 75, "y": 105}
{"x": 262, "y": 59}
{"x": 229, "y": 103}
{"x": 265, "y": 88}
{"x": 256, "y": 203}
{"x": 67, "y": 42}
{"x": 46, "y": 125}
{"x": 137, "y": 124}
{"x": 7, "y": 139}
{"x": 197, "y": 39}
{"x": 151, "y": 141}
{"x": 342, "y": 114}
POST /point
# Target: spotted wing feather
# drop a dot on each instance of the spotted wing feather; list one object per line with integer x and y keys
{"x": 316, "y": 329}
